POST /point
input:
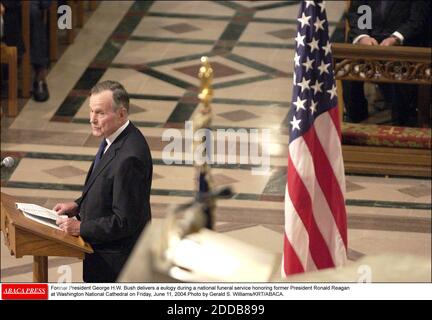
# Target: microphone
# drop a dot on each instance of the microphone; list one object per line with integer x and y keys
{"x": 8, "y": 162}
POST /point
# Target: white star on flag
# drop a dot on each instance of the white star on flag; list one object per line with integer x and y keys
{"x": 297, "y": 59}
{"x": 295, "y": 123}
{"x": 323, "y": 67}
{"x": 299, "y": 39}
{"x": 308, "y": 3}
{"x": 308, "y": 63}
{"x": 304, "y": 20}
{"x": 313, "y": 107}
{"x": 327, "y": 48}
{"x": 319, "y": 24}
{"x": 304, "y": 84}
{"x": 299, "y": 104}
{"x": 332, "y": 92}
{"x": 322, "y": 6}
{"x": 317, "y": 87}
{"x": 313, "y": 45}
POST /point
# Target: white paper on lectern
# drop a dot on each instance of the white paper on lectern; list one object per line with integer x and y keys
{"x": 39, "y": 214}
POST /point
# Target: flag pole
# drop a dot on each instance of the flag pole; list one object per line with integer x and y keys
{"x": 202, "y": 120}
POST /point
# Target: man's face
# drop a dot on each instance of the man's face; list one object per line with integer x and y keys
{"x": 104, "y": 120}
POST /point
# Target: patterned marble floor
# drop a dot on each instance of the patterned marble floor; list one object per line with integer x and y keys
{"x": 153, "y": 48}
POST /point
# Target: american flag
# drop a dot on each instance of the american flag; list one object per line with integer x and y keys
{"x": 315, "y": 217}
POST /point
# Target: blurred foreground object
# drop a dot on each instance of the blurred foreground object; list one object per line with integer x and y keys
{"x": 179, "y": 250}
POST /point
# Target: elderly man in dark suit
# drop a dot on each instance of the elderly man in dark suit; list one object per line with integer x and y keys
{"x": 115, "y": 203}
{"x": 393, "y": 23}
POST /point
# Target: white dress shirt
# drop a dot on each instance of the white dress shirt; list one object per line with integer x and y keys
{"x": 114, "y": 136}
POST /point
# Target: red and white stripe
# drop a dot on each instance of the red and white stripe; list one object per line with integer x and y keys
{"x": 315, "y": 216}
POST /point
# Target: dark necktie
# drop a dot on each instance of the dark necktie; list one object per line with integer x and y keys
{"x": 100, "y": 153}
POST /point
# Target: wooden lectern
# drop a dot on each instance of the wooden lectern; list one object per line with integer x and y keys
{"x": 27, "y": 237}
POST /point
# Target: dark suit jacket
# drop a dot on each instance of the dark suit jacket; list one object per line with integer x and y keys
{"x": 409, "y": 18}
{"x": 115, "y": 205}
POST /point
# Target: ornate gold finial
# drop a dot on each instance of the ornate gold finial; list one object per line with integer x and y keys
{"x": 206, "y": 90}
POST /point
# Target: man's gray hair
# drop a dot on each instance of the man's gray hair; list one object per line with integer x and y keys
{"x": 119, "y": 93}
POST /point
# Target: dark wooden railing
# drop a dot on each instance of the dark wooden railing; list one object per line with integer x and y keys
{"x": 383, "y": 64}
